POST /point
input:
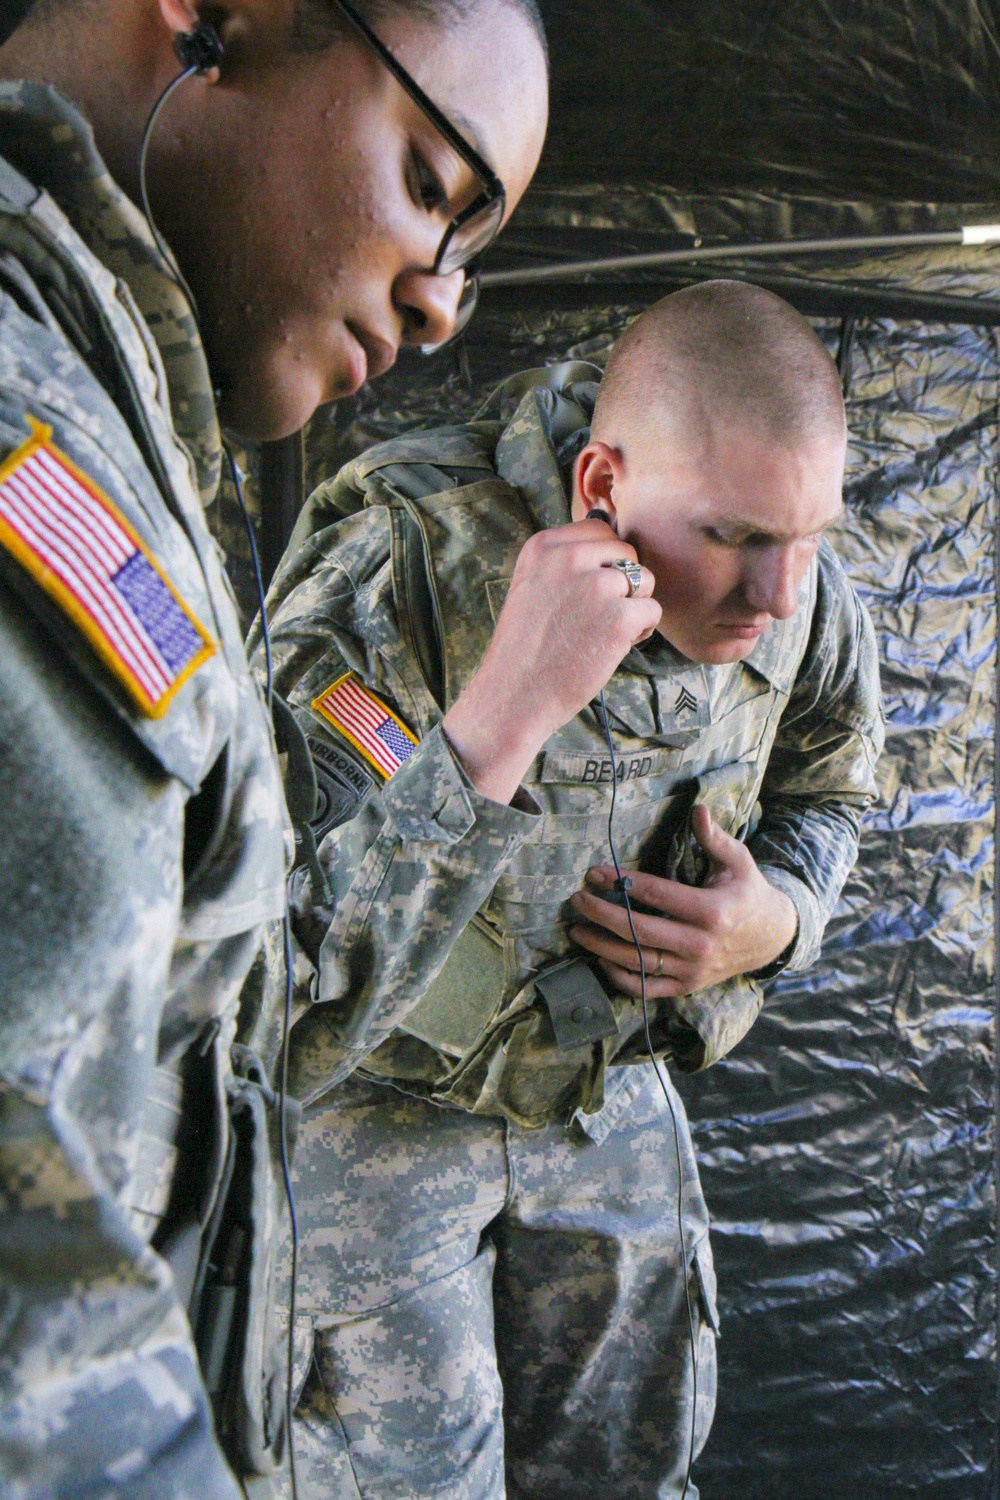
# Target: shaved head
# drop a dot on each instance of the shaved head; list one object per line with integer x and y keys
{"x": 717, "y": 451}
{"x": 716, "y": 355}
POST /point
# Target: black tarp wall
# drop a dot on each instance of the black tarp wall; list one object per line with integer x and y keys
{"x": 848, "y": 1149}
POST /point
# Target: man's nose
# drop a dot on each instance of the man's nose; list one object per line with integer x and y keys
{"x": 428, "y": 304}
{"x": 772, "y": 583}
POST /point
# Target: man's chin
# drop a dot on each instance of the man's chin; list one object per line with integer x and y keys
{"x": 715, "y": 653}
{"x": 732, "y": 651}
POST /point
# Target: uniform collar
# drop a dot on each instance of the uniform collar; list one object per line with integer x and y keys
{"x": 547, "y": 417}
{"x": 45, "y": 137}
{"x": 544, "y": 433}
{"x": 769, "y": 657}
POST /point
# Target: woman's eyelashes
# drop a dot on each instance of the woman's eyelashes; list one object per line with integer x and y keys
{"x": 429, "y": 192}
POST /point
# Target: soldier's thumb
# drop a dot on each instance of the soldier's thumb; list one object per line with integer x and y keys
{"x": 717, "y": 844}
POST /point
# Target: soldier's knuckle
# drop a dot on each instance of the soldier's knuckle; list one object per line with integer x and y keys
{"x": 701, "y": 944}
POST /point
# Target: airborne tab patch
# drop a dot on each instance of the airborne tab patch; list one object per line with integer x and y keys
{"x": 82, "y": 551}
{"x": 384, "y": 741}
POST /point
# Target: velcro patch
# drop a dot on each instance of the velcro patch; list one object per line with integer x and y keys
{"x": 82, "y": 551}
{"x": 364, "y": 720}
{"x": 341, "y": 786}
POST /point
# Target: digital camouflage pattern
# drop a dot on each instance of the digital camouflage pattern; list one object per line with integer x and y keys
{"x": 141, "y": 858}
{"x": 476, "y": 1204}
{"x": 781, "y": 746}
{"x": 477, "y": 1254}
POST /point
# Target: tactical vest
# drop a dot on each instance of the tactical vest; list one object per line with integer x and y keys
{"x": 683, "y": 734}
{"x": 202, "y": 1176}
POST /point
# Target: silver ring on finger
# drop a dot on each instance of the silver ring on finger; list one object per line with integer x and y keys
{"x": 659, "y": 965}
{"x": 632, "y": 571}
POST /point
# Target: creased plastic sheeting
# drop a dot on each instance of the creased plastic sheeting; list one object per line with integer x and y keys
{"x": 847, "y": 1147}
{"x": 889, "y": 98}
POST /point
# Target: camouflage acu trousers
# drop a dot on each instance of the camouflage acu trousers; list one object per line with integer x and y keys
{"x": 487, "y": 1311}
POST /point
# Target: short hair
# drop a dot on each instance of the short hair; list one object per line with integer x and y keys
{"x": 317, "y": 24}
{"x": 722, "y": 349}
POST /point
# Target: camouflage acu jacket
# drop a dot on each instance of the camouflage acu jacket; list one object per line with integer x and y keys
{"x": 142, "y": 829}
{"x": 445, "y": 906}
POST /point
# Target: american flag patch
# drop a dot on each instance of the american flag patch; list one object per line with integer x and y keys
{"x": 384, "y": 741}
{"x": 80, "y": 549}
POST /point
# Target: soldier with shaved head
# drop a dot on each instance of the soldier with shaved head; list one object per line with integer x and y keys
{"x": 498, "y": 1196}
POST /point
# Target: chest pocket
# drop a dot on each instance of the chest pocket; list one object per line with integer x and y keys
{"x": 739, "y": 728}
{"x": 727, "y": 768}
{"x": 729, "y": 792}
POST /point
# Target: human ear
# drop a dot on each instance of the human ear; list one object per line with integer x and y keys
{"x": 196, "y": 42}
{"x": 595, "y": 473}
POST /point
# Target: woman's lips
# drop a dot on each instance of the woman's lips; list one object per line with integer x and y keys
{"x": 370, "y": 355}
{"x": 355, "y": 364}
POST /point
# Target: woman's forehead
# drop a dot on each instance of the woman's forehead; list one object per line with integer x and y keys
{"x": 487, "y": 74}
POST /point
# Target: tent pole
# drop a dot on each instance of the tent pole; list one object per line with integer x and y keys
{"x": 569, "y": 270}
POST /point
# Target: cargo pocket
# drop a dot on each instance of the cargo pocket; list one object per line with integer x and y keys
{"x": 232, "y": 1304}
{"x": 703, "y": 1279}
{"x": 703, "y": 1268}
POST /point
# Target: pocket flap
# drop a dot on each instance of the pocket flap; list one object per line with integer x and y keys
{"x": 456, "y": 1009}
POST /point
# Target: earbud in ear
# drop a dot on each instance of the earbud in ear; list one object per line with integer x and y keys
{"x": 599, "y": 515}
{"x": 200, "y": 48}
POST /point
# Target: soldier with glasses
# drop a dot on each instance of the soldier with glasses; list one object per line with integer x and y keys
{"x": 314, "y": 210}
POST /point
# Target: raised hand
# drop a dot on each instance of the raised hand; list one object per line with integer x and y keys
{"x": 567, "y": 622}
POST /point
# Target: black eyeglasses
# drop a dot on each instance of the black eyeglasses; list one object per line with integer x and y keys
{"x": 471, "y": 231}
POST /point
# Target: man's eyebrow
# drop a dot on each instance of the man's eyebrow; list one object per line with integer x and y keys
{"x": 740, "y": 523}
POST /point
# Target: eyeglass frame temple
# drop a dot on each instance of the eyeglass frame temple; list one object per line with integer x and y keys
{"x": 494, "y": 187}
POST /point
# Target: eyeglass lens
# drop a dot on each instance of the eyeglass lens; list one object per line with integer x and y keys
{"x": 469, "y": 239}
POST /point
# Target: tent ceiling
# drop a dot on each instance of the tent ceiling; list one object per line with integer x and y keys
{"x": 891, "y": 98}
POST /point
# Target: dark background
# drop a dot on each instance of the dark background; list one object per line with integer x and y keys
{"x": 848, "y": 1148}
{"x": 846, "y": 97}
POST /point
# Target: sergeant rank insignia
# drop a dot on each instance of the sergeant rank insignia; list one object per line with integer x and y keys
{"x": 384, "y": 741}
{"x": 80, "y": 549}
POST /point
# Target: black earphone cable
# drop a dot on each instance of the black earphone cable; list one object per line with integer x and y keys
{"x": 173, "y": 268}
{"x": 286, "y": 1027}
{"x": 198, "y": 51}
{"x": 622, "y": 885}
